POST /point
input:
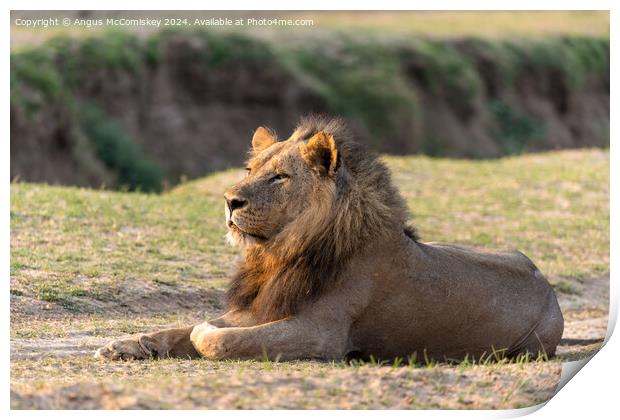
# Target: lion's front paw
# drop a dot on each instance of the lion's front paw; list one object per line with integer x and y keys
{"x": 134, "y": 348}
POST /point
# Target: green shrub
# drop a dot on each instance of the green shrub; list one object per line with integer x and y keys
{"x": 574, "y": 58}
{"x": 358, "y": 78}
{"x": 512, "y": 131}
{"x": 119, "y": 152}
{"x": 224, "y": 48}
{"x": 446, "y": 72}
{"x": 55, "y": 70}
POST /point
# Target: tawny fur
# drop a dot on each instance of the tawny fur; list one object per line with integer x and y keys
{"x": 331, "y": 268}
{"x": 306, "y": 258}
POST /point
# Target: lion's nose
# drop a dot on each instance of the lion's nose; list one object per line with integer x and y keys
{"x": 234, "y": 202}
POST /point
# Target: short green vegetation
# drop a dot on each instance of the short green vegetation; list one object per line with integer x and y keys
{"x": 554, "y": 207}
{"x": 69, "y": 243}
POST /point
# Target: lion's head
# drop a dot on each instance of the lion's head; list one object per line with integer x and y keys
{"x": 287, "y": 182}
{"x": 306, "y": 206}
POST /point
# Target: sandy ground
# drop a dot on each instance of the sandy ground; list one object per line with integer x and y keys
{"x": 54, "y": 368}
{"x": 323, "y": 388}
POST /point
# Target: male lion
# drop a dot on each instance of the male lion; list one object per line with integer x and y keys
{"x": 331, "y": 268}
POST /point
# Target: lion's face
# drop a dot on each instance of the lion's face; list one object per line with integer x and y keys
{"x": 285, "y": 181}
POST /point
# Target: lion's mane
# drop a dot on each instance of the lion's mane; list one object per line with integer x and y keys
{"x": 305, "y": 259}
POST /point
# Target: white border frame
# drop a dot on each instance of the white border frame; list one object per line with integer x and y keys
{"x": 592, "y": 394}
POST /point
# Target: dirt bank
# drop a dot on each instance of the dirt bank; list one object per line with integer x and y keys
{"x": 117, "y": 110}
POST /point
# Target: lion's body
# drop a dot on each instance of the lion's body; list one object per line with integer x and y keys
{"x": 331, "y": 268}
{"x": 450, "y": 302}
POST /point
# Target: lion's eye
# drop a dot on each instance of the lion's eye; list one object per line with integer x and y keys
{"x": 248, "y": 170}
{"x": 278, "y": 177}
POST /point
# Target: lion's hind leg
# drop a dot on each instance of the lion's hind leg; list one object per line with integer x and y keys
{"x": 545, "y": 336}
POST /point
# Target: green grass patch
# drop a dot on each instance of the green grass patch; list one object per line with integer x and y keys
{"x": 553, "y": 206}
{"x": 95, "y": 240}
{"x": 566, "y": 288}
{"x": 70, "y": 243}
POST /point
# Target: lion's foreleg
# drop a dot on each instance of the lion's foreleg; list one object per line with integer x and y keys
{"x": 288, "y": 339}
{"x": 174, "y": 342}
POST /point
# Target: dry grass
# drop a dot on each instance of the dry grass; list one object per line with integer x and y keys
{"x": 497, "y": 24}
{"x": 548, "y": 205}
{"x": 89, "y": 265}
{"x": 258, "y": 385}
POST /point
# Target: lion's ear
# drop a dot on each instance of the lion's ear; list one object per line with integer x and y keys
{"x": 262, "y": 139}
{"x": 321, "y": 153}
